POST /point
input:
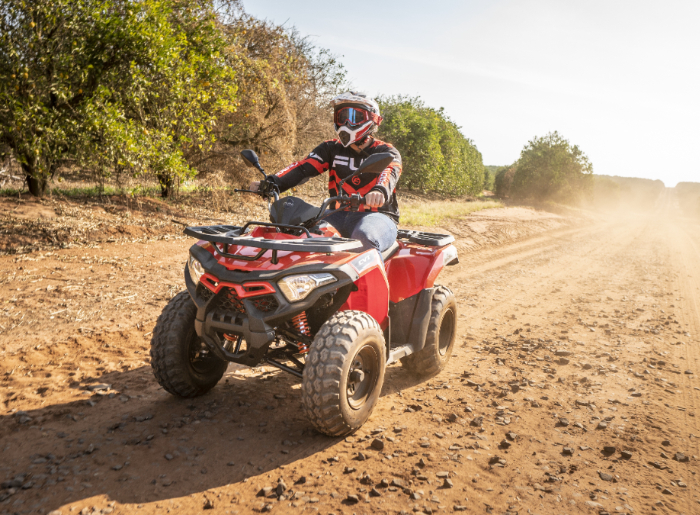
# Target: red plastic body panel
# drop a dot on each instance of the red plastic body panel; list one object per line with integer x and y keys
{"x": 413, "y": 268}
{"x": 372, "y": 295}
{"x": 242, "y": 290}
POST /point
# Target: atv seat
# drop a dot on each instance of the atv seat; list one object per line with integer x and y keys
{"x": 390, "y": 251}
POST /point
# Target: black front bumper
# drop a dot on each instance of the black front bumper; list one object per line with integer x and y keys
{"x": 256, "y": 326}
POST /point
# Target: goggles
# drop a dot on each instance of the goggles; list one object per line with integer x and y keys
{"x": 354, "y": 116}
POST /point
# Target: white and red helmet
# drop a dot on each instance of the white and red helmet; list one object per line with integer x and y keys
{"x": 356, "y": 116}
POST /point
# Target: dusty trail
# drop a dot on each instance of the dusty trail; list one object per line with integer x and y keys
{"x": 573, "y": 389}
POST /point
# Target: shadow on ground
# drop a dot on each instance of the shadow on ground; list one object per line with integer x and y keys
{"x": 134, "y": 443}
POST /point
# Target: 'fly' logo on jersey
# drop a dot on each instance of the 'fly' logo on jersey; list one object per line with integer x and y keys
{"x": 345, "y": 161}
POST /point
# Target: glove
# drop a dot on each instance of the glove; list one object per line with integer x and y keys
{"x": 268, "y": 186}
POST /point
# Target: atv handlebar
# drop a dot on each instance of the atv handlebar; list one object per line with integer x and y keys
{"x": 354, "y": 200}
{"x": 264, "y": 193}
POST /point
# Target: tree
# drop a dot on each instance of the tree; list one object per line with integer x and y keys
{"x": 490, "y": 172}
{"x": 550, "y": 168}
{"x": 503, "y": 180}
{"x": 115, "y": 84}
{"x": 284, "y": 88}
{"x": 436, "y": 156}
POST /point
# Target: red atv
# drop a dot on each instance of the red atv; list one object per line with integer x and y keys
{"x": 293, "y": 294}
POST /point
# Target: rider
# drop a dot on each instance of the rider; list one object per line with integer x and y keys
{"x": 356, "y": 118}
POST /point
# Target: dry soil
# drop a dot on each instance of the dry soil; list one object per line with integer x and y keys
{"x": 572, "y": 389}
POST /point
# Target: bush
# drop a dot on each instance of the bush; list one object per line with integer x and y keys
{"x": 503, "y": 180}
{"x": 490, "y": 176}
{"x": 284, "y": 85}
{"x": 550, "y": 168}
{"x": 436, "y": 156}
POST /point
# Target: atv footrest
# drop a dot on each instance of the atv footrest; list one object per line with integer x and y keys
{"x": 399, "y": 352}
{"x": 425, "y": 238}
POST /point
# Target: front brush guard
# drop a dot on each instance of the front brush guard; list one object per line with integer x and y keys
{"x": 257, "y": 342}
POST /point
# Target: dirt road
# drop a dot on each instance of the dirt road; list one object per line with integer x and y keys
{"x": 573, "y": 389}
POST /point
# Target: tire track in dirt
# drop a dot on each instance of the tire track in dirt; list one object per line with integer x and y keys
{"x": 685, "y": 246}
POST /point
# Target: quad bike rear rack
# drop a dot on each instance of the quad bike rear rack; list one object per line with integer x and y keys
{"x": 234, "y": 235}
{"x": 428, "y": 239}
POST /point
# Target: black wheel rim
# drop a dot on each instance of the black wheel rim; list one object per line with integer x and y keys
{"x": 447, "y": 327}
{"x": 201, "y": 360}
{"x": 362, "y": 376}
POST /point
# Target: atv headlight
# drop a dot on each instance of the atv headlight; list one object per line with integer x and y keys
{"x": 196, "y": 269}
{"x": 298, "y": 287}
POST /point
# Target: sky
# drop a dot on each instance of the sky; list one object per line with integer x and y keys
{"x": 620, "y": 79}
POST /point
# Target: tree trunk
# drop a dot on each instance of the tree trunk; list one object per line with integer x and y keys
{"x": 37, "y": 185}
{"x": 166, "y": 185}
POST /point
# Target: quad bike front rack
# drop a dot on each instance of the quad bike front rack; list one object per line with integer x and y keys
{"x": 234, "y": 235}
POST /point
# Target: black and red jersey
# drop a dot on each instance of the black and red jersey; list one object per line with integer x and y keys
{"x": 331, "y": 156}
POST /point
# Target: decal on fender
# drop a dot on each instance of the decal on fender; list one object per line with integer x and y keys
{"x": 365, "y": 261}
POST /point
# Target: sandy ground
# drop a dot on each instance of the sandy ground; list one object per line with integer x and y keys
{"x": 573, "y": 387}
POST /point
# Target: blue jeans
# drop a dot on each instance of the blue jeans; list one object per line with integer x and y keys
{"x": 374, "y": 230}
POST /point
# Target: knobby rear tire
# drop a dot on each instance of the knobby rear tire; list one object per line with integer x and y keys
{"x": 440, "y": 339}
{"x": 174, "y": 339}
{"x": 348, "y": 336}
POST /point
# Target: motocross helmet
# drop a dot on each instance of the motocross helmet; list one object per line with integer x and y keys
{"x": 355, "y": 116}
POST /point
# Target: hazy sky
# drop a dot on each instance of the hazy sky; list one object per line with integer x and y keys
{"x": 621, "y": 79}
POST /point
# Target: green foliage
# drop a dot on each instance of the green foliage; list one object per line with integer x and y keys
{"x": 490, "y": 172}
{"x": 503, "y": 180}
{"x": 110, "y": 85}
{"x": 428, "y": 214}
{"x": 550, "y": 168}
{"x": 284, "y": 85}
{"x": 436, "y": 156}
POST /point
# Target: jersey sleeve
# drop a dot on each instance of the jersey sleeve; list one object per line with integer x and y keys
{"x": 386, "y": 183}
{"x": 316, "y": 163}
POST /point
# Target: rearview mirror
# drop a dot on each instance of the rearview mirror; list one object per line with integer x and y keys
{"x": 250, "y": 158}
{"x": 376, "y": 163}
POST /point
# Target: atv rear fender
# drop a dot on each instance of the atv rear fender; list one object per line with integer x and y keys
{"x": 415, "y": 267}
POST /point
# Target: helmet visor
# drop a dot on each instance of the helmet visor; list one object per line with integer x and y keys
{"x": 351, "y": 116}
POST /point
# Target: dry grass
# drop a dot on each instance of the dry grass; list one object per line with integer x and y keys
{"x": 432, "y": 213}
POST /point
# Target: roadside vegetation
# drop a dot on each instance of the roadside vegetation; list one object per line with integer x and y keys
{"x": 132, "y": 93}
{"x": 549, "y": 169}
{"x": 154, "y": 96}
{"x": 158, "y": 97}
{"x": 432, "y": 213}
{"x": 436, "y": 156}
